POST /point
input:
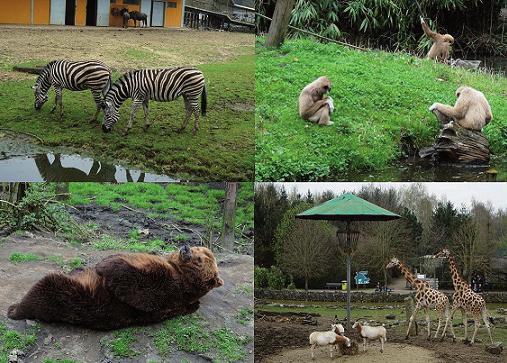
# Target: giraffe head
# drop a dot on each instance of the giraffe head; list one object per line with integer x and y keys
{"x": 393, "y": 263}
{"x": 445, "y": 253}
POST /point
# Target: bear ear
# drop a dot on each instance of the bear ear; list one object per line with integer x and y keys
{"x": 185, "y": 253}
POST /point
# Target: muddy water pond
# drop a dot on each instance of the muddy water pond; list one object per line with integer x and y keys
{"x": 420, "y": 170}
{"x": 22, "y": 160}
{"x": 58, "y": 167}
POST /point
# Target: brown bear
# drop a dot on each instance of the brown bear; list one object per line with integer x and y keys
{"x": 123, "y": 290}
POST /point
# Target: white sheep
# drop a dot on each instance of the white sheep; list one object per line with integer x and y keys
{"x": 371, "y": 333}
{"x": 330, "y": 338}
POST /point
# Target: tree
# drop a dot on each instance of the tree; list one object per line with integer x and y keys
{"x": 227, "y": 240}
{"x": 303, "y": 248}
{"x": 279, "y": 23}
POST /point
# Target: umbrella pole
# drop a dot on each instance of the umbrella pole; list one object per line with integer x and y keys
{"x": 349, "y": 262}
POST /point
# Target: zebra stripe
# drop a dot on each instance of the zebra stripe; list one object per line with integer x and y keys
{"x": 159, "y": 85}
{"x": 74, "y": 76}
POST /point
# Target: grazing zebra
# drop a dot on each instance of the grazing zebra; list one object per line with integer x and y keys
{"x": 75, "y": 76}
{"x": 158, "y": 85}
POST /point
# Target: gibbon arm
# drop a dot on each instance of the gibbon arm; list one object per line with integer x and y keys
{"x": 144, "y": 289}
{"x": 433, "y": 35}
{"x": 456, "y": 113}
{"x": 309, "y": 112}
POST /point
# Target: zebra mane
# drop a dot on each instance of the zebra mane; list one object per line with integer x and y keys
{"x": 44, "y": 73}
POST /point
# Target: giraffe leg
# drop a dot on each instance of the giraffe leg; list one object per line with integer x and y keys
{"x": 477, "y": 321}
{"x": 447, "y": 318}
{"x": 486, "y": 322}
{"x": 428, "y": 322}
{"x": 465, "y": 324}
{"x": 438, "y": 326}
{"x": 451, "y": 318}
{"x": 411, "y": 320}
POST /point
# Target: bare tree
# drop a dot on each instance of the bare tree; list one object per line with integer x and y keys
{"x": 305, "y": 248}
{"x": 280, "y": 23}
{"x": 227, "y": 238}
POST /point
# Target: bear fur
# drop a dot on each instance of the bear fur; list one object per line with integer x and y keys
{"x": 123, "y": 290}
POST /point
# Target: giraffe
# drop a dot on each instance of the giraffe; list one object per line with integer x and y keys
{"x": 425, "y": 297}
{"x": 465, "y": 299}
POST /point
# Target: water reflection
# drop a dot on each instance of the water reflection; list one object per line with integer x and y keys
{"x": 69, "y": 168}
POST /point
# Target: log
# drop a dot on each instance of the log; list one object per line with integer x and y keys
{"x": 458, "y": 145}
{"x": 31, "y": 70}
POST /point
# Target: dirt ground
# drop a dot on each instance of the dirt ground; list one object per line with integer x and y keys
{"x": 218, "y": 308}
{"x": 121, "y": 49}
{"x": 280, "y": 342}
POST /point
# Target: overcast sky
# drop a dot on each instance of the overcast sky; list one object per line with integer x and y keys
{"x": 458, "y": 193}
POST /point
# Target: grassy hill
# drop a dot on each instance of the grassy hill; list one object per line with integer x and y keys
{"x": 379, "y": 97}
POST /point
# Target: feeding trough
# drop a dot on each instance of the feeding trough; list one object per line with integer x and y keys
{"x": 348, "y": 208}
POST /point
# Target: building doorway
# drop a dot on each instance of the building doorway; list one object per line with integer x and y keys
{"x": 70, "y": 12}
{"x": 91, "y": 12}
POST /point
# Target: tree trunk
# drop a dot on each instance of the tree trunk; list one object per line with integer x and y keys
{"x": 456, "y": 144}
{"x": 62, "y": 189}
{"x": 229, "y": 214}
{"x": 280, "y": 23}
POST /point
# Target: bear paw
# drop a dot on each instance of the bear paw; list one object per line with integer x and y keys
{"x": 433, "y": 107}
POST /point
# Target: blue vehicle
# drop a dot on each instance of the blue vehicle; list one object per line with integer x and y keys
{"x": 362, "y": 278}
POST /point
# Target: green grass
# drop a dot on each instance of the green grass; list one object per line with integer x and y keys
{"x": 246, "y": 289}
{"x": 107, "y": 242}
{"x": 12, "y": 339}
{"x": 191, "y": 334}
{"x": 122, "y": 343}
{"x": 223, "y": 149}
{"x": 378, "y": 96}
{"x": 244, "y": 316}
{"x": 19, "y": 257}
{"x": 67, "y": 266}
{"x": 190, "y": 203}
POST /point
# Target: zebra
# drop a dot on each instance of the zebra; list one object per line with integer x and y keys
{"x": 158, "y": 85}
{"x": 75, "y": 76}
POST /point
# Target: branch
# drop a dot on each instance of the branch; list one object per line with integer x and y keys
{"x": 317, "y": 35}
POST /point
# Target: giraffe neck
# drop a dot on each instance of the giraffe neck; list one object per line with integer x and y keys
{"x": 457, "y": 280}
{"x": 407, "y": 274}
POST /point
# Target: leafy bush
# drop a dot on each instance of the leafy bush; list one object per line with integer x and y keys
{"x": 272, "y": 278}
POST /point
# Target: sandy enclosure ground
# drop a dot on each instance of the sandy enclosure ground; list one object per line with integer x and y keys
{"x": 121, "y": 49}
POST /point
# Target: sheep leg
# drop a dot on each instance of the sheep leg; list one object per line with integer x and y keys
{"x": 381, "y": 345}
{"x": 312, "y": 347}
{"x": 411, "y": 320}
{"x": 364, "y": 343}
{"x": 330, "y": 351}
{"x": 428, "y": 322}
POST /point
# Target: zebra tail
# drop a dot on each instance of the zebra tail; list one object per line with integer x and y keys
{"x": 204, "y": 100}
